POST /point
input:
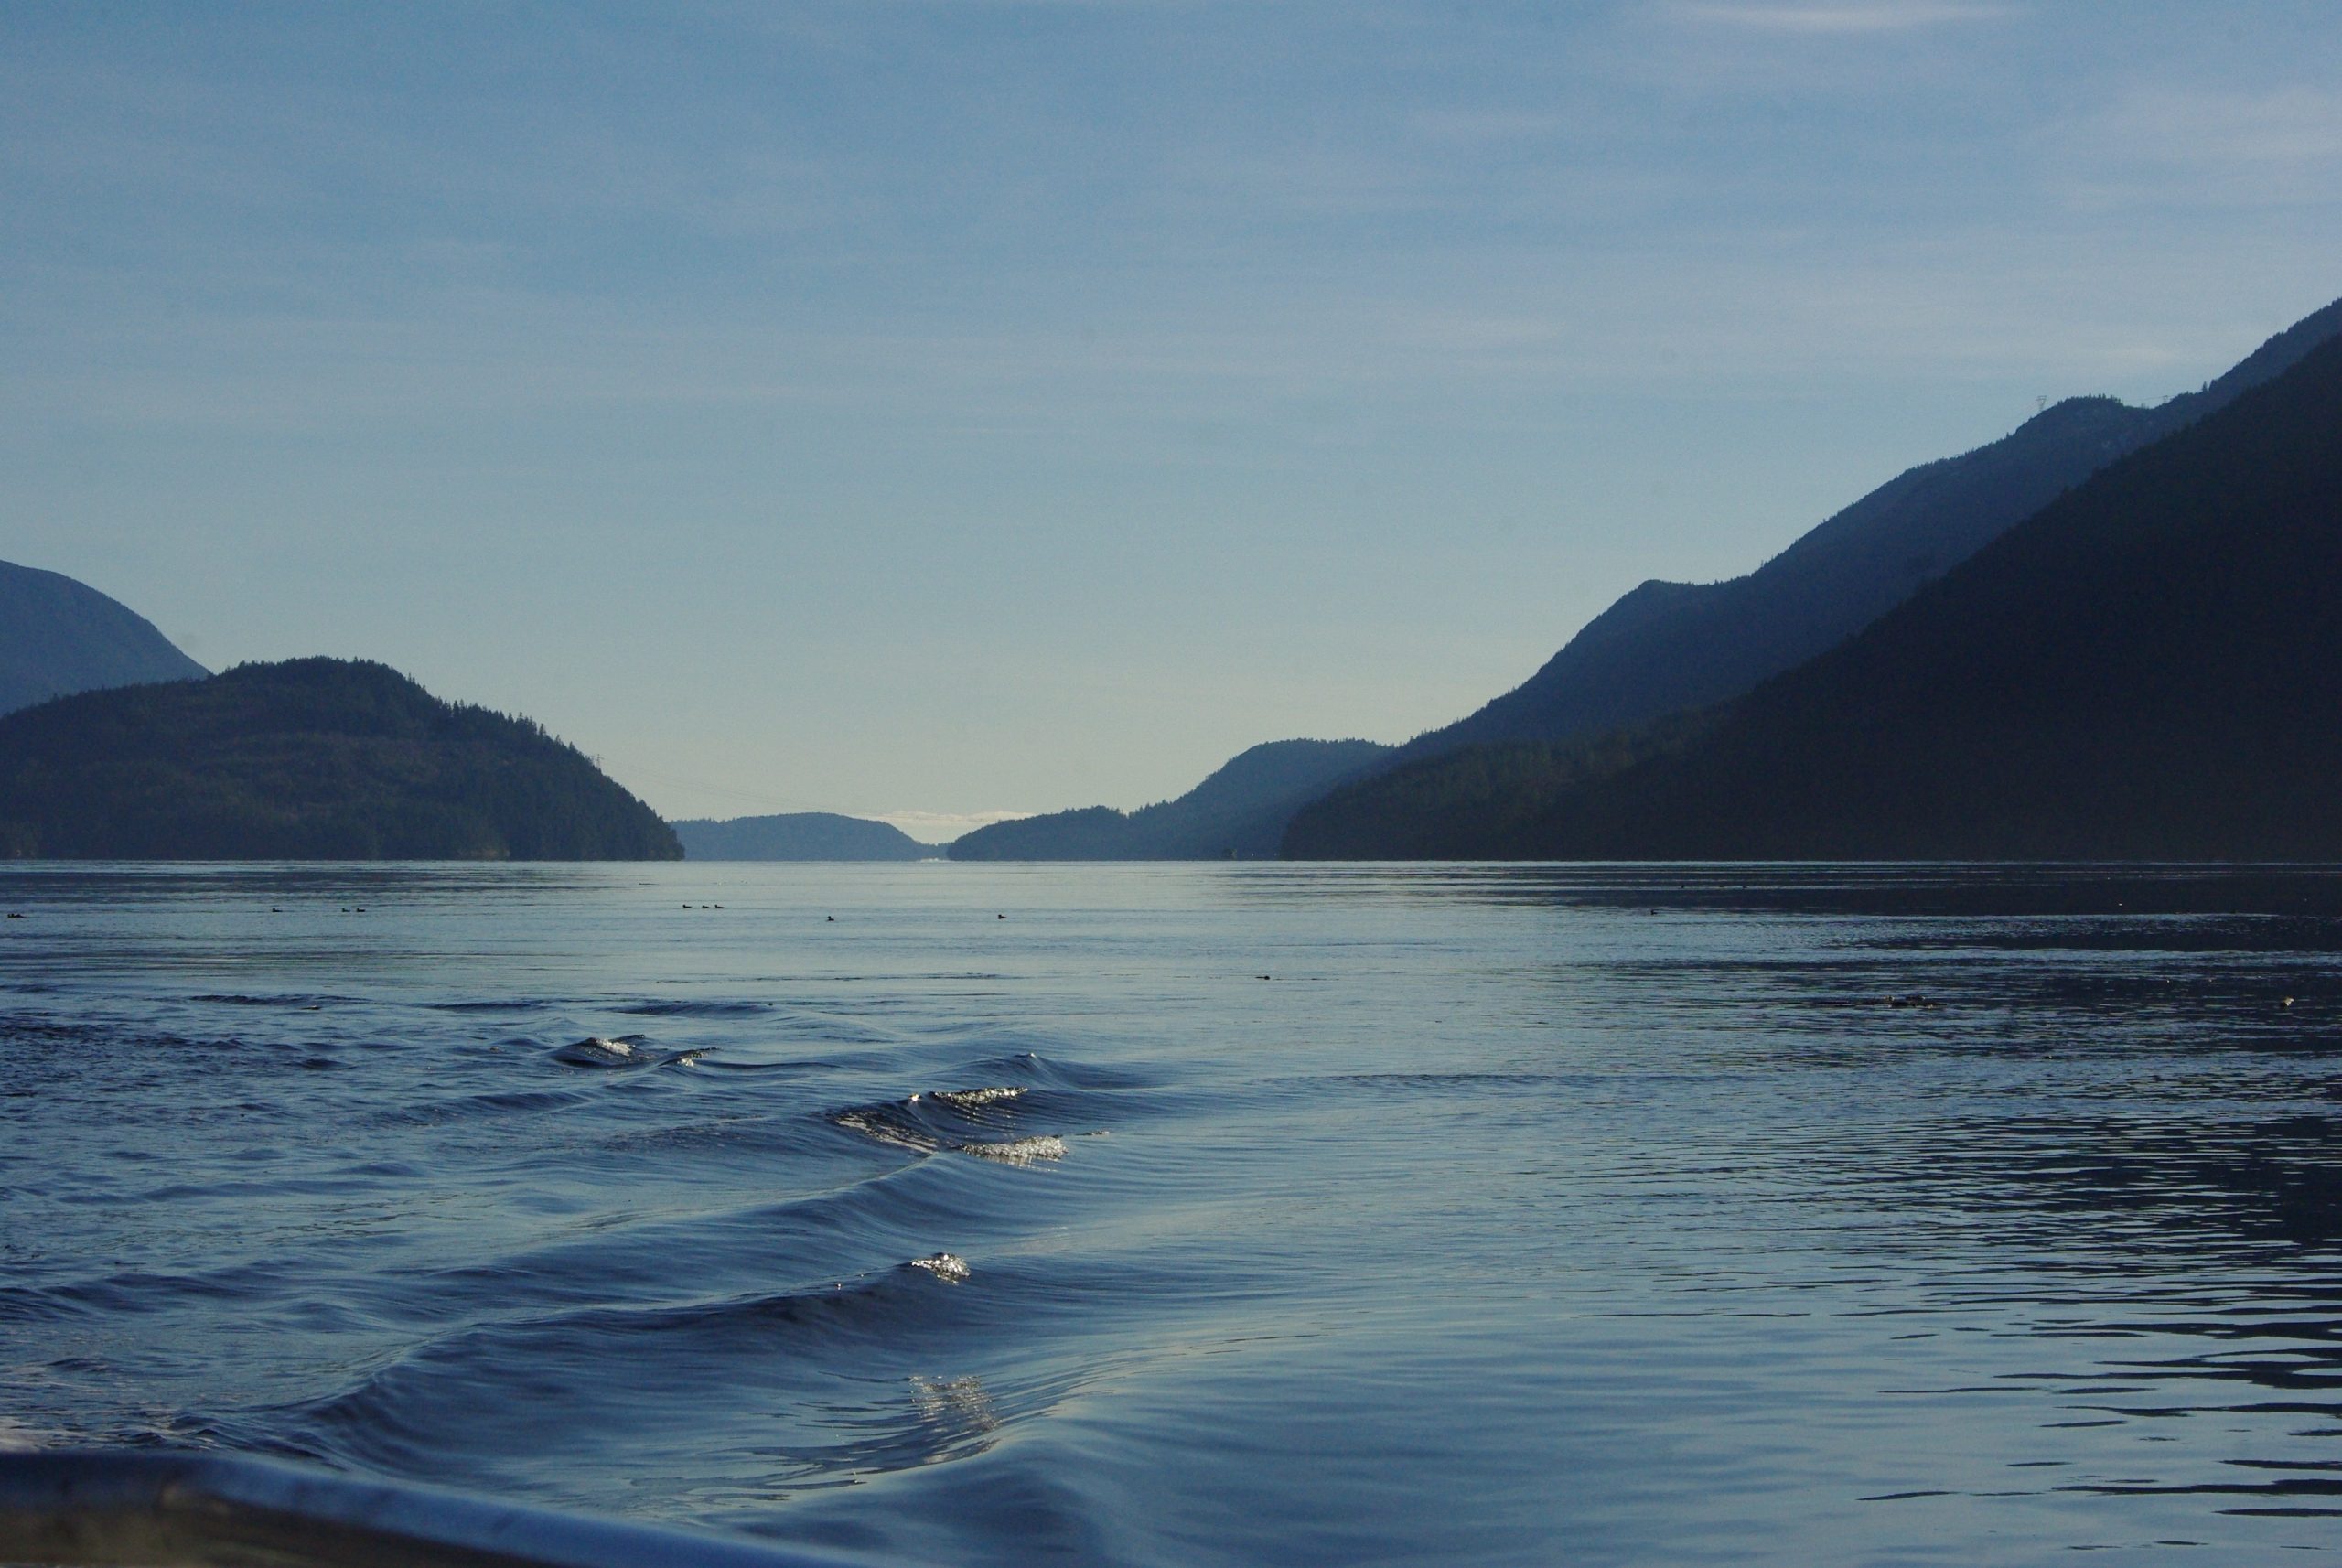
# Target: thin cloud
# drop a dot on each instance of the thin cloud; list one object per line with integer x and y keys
{"x": 2166, "y": 146}
{"x": 2287, "y": 126}
{"x": 1842, "y": 19}
{"x": 1478, "y": 126}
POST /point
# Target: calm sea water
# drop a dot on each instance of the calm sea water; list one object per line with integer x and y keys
{"x": 1338, "y": 1214}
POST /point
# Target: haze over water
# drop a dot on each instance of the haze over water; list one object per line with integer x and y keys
{"x": 1411, "y": 1214}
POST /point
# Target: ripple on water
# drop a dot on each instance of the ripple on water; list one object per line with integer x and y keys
{"x": 1513, "y": 1224}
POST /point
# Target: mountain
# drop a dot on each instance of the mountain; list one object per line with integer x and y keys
{"x": 799, "y": 835}
{"x": 1241, "y": 809}
{"x": 2149, "y": 667}
{"x": 310, "y": 759}
{"x": 1666, "y": 647}
{"x": 57, "y": 636}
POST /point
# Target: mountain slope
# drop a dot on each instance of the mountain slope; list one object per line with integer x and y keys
{"x": 1241, "y": 809}
{"x": 2149, "y": 667}
{"x": 310, "y": 759}
{"x": 1671, "y": 645}
{"x": 57, "y": 636}
{"x": 799, "y": 835}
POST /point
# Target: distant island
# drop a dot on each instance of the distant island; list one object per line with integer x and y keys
{"x": 2147, "y": 668}
{"x": 309, "y": 759}
{"x": 59, "y": 637}
{"x": 1240, "y": 810}
{"x": 800, "y": 835}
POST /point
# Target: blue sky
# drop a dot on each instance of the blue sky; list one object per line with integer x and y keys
{"x": 965, "y": 406}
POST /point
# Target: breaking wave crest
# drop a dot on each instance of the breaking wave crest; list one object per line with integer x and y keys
{"x": 1019, "y": 1150}
{"x": 627, "y": 1051}
{"x": 973, "y": 1099}
{"x": 990, "y": 1122}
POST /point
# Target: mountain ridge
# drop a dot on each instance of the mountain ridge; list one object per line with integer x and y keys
{"x": 59, "y": 636}
{"x": 1239, "y": 809}
{"x": 1664, "y": 648}
{"x": 2148, "y": 668}
{"x": 1667, "y": 647}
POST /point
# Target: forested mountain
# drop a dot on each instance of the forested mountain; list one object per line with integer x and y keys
{"x": 2149, "y": 667}
{"x": 1666, "y": 647}
{"x": 310, "y": 759}
{"x": 57, "y": 636}
{"x": 1241, "y": 809}
{"x": 799, "y": 835}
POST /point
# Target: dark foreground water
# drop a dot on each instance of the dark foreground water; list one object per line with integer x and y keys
{"x": 1436, "y": 1215}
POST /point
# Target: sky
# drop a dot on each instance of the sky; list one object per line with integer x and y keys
{"x": 943, "y": 409}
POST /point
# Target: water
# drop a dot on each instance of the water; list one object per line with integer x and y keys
{"x": 1432, "y": 1214}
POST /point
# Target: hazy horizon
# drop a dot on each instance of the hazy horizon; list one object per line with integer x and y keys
{"x": 938, "y": 412}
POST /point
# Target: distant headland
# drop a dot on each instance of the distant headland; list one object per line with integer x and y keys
{"x": 800, "y": 835}
{"x": 309, "y": 759}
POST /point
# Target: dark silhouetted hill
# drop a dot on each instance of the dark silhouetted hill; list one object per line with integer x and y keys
{"x": 57, "y": 637}
{"x": 800, "y": 835}
{"x": 1667, "y": 647}
{"x": 2149, "y": 667}
{"x": 1241, "y": 809}
{"x": 310, "y": 759}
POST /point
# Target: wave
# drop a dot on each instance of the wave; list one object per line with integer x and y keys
{"x": 587, "y": 1380}
{"x": 596, "y": 1051}
{"x": 991, "y": 1120}
{"x": 1019, "y": 1150}
{"x": 902, "y": 1211}
{"x": 937, "y": 1120}
{"x": 971, "y": 1099}
{"x": 626, "y": 1051}
{"x": 139, "y": 1293}
{"x": 1036, "y": 1069}
{"x": 893, "y": 1126}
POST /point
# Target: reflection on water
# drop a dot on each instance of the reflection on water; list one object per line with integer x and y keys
{"x": 1629, "y": 1214}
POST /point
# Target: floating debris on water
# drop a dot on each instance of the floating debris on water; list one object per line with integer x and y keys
{"x": 944, "y": 1266}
